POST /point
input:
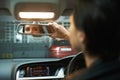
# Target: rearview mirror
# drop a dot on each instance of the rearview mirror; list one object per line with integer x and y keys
{"x": 35, "y": 29}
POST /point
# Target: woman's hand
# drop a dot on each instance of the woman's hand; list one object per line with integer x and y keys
{"x": 60, "y": 31}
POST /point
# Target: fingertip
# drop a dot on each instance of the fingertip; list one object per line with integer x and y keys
{"x": 50, "y": 23}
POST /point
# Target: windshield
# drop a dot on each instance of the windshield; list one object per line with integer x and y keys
{"x": 15, "y": 45}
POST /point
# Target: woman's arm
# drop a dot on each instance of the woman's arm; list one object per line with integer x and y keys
{"x": 60, "y": 31}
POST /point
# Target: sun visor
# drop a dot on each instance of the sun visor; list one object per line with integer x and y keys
{"x": 4, "y": 8}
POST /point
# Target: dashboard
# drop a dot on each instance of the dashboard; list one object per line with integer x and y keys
{"x": 49, "y": 70}
{"x": 34, "y": 69}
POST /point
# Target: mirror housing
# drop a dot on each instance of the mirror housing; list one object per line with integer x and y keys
{"x": 35, "y": 29}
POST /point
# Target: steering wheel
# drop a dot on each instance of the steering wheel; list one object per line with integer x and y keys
{"x": 76, "y": 63}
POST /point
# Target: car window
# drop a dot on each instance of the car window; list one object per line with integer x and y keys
{"x": 15, "y": 45}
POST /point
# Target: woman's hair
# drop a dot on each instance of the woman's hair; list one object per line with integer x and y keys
{"x": 99, "y": 19}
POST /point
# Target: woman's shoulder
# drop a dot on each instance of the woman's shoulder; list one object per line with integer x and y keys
{"x": 102, "y": 71}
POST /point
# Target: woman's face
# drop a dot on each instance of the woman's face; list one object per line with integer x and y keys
{"x": 76, "y": 36}
{"x": 32, "y": 29}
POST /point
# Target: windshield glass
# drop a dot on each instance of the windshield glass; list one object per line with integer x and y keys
{"x": 15, "y": 45}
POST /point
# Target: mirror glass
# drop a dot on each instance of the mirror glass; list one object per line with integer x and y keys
{"x": 35, "y": 29}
